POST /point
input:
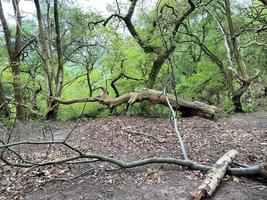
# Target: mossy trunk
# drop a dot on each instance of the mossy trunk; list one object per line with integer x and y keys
{"x": 4, "y": 109}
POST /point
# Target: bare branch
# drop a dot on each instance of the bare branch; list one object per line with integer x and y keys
{"x": 186, "y": 107}
{"x": 256, "y": 170}
{"x": 176, "y": 127}
{"x": 25, "y": 46}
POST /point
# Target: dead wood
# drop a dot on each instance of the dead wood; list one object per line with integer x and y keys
{"x": 145, "y": 135}
{"x": 175, "y": 126}
{"x": 187, "y": 108}
{"x": 214, "y": 176}
{"x": 259, "y": 170}
{"x": 21, "y": 161}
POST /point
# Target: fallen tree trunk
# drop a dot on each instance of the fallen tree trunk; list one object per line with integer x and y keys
{"x": 214, "y": 176}
{"x": 187, "y": 108}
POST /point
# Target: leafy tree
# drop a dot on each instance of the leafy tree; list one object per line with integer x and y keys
{"x": 14, "y": 49}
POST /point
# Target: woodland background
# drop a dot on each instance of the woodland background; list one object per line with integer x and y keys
{"x": 210, "y": 51}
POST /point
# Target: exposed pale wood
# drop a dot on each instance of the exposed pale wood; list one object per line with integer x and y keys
{"x": 176, "y": 128}
{"x": 187, "y": 108}
{"x": 214, "y": 176}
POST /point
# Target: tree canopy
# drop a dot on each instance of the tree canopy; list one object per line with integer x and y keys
{"x": 206, "y": 50}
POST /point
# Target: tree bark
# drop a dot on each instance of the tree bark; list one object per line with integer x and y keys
{"x": 157, "y": 64}
{"x": 44, "y": 54}
{"x": 14, "y": 52}
{"x": 187, "y": 108}
{"x": 89, "y": 84}
{"x": 214, "y": 176}
{"x": 4, "y": 109}
{"x": 235, "y": 49}
{"x": 54, "y": 84}
{"x": 162, "y": 52}
{"x": 52, "y": 114}
{"x": 20, "y": 110}
{"x": 33, "y": 100}
{"x": 259, "y": 170}
{"x": 244, "y": 76}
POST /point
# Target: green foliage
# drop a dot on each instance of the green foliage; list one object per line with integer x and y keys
{"x": 78, "y": 89}
{"x": 71, "y": 112}
{"x": 228, "y": 107}
{"x": 7, "y": 124}
{"x": 100, "y": 51}
{"x": 247, "y": 107}
{"x": 204, "y": 84}
{"x": 161, "y": 111}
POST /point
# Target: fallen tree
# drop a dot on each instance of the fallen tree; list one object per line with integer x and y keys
{"x": 76, "y": 155}
{"x": 22, "y": 161}
{"x": 187, "y": 108}
{"x": 214, "y": 176}
{"x": 259, "y": 170}
{"x": 10, "y": 157}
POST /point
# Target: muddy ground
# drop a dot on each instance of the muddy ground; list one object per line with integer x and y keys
{"x": 120, "y": 138}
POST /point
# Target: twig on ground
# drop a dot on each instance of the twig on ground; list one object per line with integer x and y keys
{"x": 256, "y": 170}
{"x": 20, "y": 176}
{"x": 75, "y": 177}
{"x": 144, "y": 134}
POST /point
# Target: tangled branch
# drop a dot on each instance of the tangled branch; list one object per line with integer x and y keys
{"x": 256, "y": 170}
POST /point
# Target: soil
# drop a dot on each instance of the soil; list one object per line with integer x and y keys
{"x": 123, "y": 138}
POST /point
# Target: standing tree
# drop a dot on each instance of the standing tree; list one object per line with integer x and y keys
{"x": 14, "y": 50}
{"x": 161, "y": 38}
{"x": 241, "y": 73}
{"x": 4, "y": 109}
{"x": 54, "y": 80}
{"x": 232, "y": 64}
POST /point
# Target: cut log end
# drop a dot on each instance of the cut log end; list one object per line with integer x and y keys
{"x": 198, "y": 194}
{"x": 214, "y": 176}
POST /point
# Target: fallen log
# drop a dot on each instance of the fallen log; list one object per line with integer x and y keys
{"x": 214, "y": 176}
{"x": 187, "y": 108}
{"x": 259, "y": 170}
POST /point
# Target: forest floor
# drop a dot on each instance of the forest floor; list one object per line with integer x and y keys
{"x": 120, "y": 137}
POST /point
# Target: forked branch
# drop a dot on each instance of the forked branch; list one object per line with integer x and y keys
{"x": 256, "y": 170}
{"x": 187, "y": 108}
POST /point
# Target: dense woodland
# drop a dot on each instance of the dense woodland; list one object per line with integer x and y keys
{"x": 210, "y": 51}
{"x": 198, "y": 57}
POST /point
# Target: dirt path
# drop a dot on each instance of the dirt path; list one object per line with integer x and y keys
{"x": 205, "y": 140}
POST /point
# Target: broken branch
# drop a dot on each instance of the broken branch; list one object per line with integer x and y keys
{"x": 214, "y": 176}
{"x": 187, "y": 108}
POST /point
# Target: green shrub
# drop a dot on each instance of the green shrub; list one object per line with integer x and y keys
{"x": 74, "y": 111}
{"x": 228, "y": 106}
{"x": 248, "y": 107}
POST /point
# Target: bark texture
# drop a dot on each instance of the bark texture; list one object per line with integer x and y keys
{"x": 4, "y": 109}
{"x": 54, "y": 83}
{"x": 214, "y": 176}
{"x": 241, "y": 73}
{"x": 14, "y": 50}
{"x": 259, "y": 170}
{"x": 187, "y": 108}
